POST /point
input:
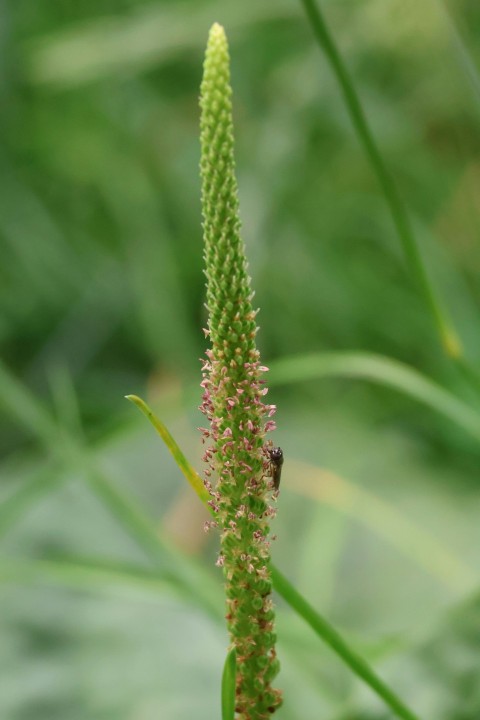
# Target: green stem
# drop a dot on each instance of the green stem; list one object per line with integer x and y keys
{"x": 401, "y": 220}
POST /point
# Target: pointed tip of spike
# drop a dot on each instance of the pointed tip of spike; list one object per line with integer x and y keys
{"x": 217, "y": 32}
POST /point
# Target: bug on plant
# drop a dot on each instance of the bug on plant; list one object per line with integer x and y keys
{"x": 276, "y": 459}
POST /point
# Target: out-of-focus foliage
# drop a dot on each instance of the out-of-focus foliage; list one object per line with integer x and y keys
{"x": 101, "y": 293}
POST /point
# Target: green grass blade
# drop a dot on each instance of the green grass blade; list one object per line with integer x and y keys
{"x": 332, "y": 638}
{"x": 24, "y": 407}
{"x": 284, "y": 588}
{"x": 401, "y": 220}
{"x": 228, "y": 686}
{"x": 96, "y": 575}
{"x": 83, "y": 574}
{"x": 191, "y": 576}
{"x": 129, "y": 515}
{"x": 382, "y": 371}
{"x": 384, "y": 519}
{"x": 151, "y": 35}
{"x": 66, "y": 448}
{"x": 65, "y": 401}
{"x": 12, "y": 509}
{"x": 465, "y": 54}
{"x": 192, "y": 476}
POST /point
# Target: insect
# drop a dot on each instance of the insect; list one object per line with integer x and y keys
{"x": 276, "y": 459}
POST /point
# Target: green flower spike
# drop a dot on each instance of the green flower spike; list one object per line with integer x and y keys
{"x": 238, "y": 477}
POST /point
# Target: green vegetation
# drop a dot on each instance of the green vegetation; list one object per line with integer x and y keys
{"x": 365, "y": 262}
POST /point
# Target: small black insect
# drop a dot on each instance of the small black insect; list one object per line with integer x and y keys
{"x": 276, "y": 459}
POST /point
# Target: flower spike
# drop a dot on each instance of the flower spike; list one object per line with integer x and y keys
{"x": 239, "y": 474}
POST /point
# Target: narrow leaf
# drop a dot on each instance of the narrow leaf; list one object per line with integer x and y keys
{"x": 228, "y": 686}
{"x": 192, "y": 476}
{"x": 84, "y": 574}
{"x": 14, "y": 506}
{"x": 400, "y": 217}
{"x": 380, "y": 370}
{"x": 26, "y": 409}
{"x": 386, "y": 520}
{"x": 188, "y": 573}
{"x": 333, "y": 638}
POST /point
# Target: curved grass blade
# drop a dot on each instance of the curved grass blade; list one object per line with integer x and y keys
{"x": 385, "y": 520}
{"x": 335, "y": 641}
{"x": 400, "y": 217}
{"x": 228, "y": 686}
{"x": 193, "y": 477}
{"x": 383, "y": 371}
{"x": 286, "y": 590}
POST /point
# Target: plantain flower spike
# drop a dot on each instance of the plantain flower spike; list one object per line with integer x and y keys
{"x": 238, "y": 474}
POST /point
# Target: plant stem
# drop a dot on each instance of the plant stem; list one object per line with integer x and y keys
{"x": 448, "y": 336}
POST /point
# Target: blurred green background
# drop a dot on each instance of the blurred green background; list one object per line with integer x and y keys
{"x": 101, "y": 294}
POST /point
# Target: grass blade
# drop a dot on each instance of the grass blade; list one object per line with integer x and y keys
{"x": 228, "y": 686}
{"x": 83, "y": 574}
{"x": 384, "y": 519}
{"x": 147, "y": 37}
{"x": 14, "y": 506}
{"x": 188, "y": 573}
{"x": 401, "y": 220}
{"x": 192, "y": 476}
{"x": 26, "y": 409}
{"x": 458, "y": 39}
{"x": 382, "y": 371}
{"x": 335, "y": 641}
